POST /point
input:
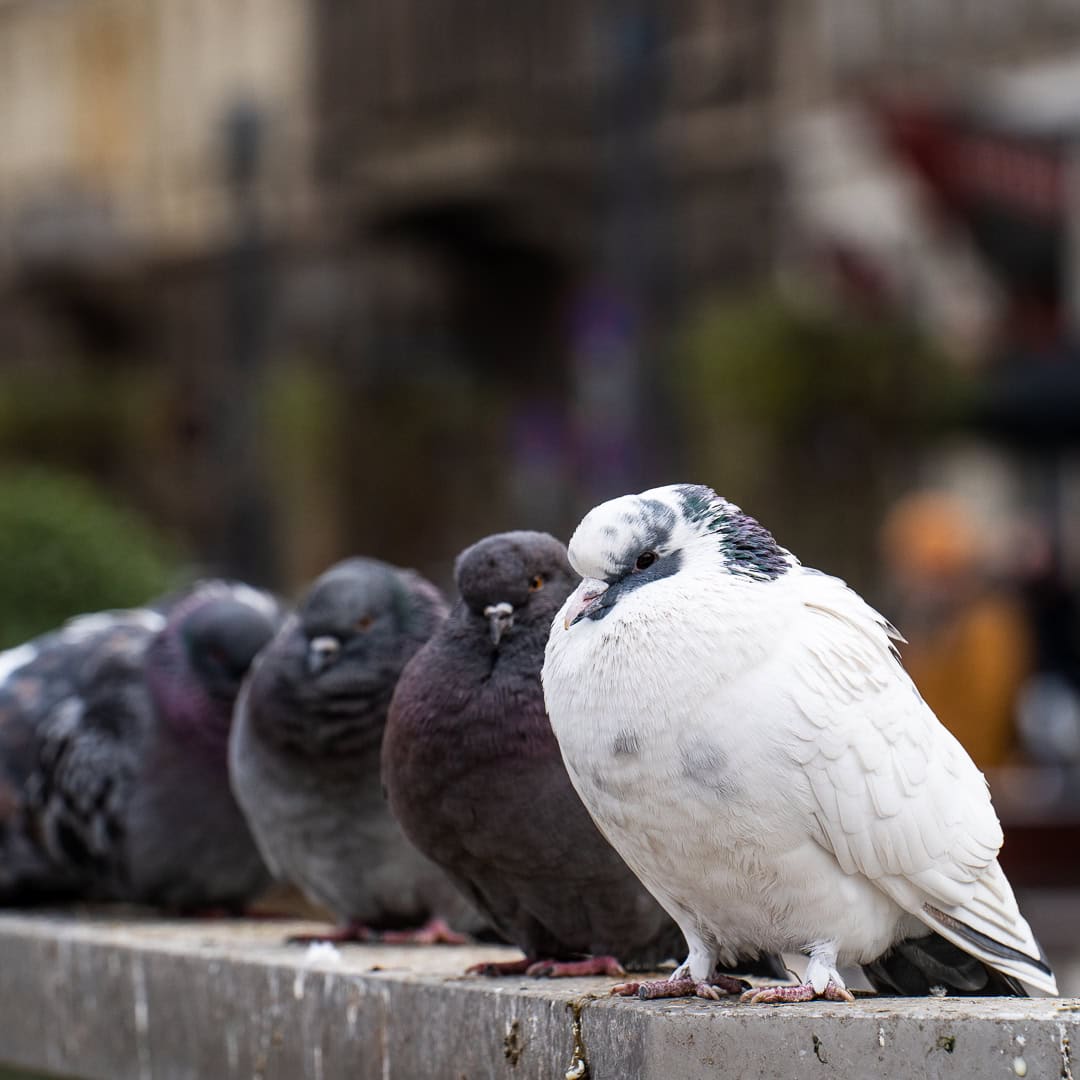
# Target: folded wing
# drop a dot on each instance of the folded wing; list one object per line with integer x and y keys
{"x": 896, "y": 798}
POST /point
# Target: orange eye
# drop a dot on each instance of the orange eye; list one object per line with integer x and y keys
{"x": 536, "y": 584}
{"x": 364, "y": 622}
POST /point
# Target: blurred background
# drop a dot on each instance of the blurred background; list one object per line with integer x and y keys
{"x": 287, "y": 280}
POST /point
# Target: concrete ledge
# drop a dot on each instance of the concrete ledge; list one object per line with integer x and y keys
{"x": 95, "y": 997}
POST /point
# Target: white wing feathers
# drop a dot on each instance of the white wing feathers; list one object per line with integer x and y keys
{"x": 895, "y": 796}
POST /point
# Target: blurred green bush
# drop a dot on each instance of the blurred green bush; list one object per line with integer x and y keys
{"x": 65, "y": 550}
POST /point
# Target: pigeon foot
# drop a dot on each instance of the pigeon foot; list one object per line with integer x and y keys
{"x": 338, "y": 935}
{"x": 594, "y": 965}
{"x": 434, "y": 932}
{"x": 501, "y": 967}
{"x": 784, "y": 995}
{"x": 715, "y": 988}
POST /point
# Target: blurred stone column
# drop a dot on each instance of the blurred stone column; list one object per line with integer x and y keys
{"x": 243, "y": 544}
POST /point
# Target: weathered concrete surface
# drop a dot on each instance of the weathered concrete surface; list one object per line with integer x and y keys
{"x": 99, "y": 998}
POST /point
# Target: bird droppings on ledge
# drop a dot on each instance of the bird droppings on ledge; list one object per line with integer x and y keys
{"x": 158, "y": 1000}
{"x": 1065, "y": 1047}
{"x": 579, "y": 1063}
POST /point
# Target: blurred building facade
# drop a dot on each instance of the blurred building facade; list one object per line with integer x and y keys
{"x": 304, "y": 278}
{"x": 114, "y": 114}
{"x": 470, "y": 218}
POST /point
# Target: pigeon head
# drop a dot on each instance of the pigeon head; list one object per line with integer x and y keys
{"x": 196, "y": 663}
{"x": 363, "y": 619}
{"x": 221, "y": 638}
{"x": 636, "y": 541}
{"x": 513, "y": 578}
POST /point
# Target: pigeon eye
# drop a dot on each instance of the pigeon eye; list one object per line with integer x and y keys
{"x": 364, "y": 622}
{"x": 645, "y": 560}
{"x": 536, "y": 584}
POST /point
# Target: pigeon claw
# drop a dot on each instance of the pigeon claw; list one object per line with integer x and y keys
{"x": 492, "y": 968}
{"x": 338, "y": 935}
{"x": 433, "y": 932}
{"x": 785, "y": 995}
{"x": 594, "y": 965}
{"x": 714, "y": 988}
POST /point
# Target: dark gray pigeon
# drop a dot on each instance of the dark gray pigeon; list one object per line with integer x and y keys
{"x": 474, "y": 774}
{"x": 305, "y": 756}
{"x": 113, "y": 755}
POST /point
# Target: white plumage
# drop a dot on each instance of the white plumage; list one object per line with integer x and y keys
{"x": 742, "y": 731}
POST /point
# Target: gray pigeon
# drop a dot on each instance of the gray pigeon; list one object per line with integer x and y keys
{"x": 474, "y": 775}
{"x": 788, "y": 788}
{"x": 305, "y": 756}
{"x": 113, "y": 739}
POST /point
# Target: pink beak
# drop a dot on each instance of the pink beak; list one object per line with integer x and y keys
{"x": 583, "y": 600}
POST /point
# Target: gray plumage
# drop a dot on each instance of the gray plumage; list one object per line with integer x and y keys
{"x": 305, "y": 749}
{"x": 113, "y": 737}
{"x": 473, "y": 771}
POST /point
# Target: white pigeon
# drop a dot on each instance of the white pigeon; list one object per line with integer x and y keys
{"x": 743, "y": 733}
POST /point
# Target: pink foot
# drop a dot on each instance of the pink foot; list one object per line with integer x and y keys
{"x": 339, "y": 935}
{"x": 714, "y": 988}
{"x": 433, "y": 932}
{"x": 783, "y": 995}
{"x": 594, "y": 965}
{"x": 500, "y": 967}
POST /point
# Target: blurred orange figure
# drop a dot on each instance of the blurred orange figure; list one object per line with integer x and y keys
{"x": 970, "y": 646}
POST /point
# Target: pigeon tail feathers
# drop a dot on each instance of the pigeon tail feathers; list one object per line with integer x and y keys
{"x": 1002, "y": 958}
{"x": 917, "y": 966}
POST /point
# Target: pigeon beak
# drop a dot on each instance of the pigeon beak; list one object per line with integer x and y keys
{"x": 584, "y": 600}
{"x": 502, "y": 618}
{"x": 322, "y": 652}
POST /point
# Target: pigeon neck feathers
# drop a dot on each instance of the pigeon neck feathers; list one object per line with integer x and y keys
{"x": 747, "y": 547}
{"x": 195, "y": 664}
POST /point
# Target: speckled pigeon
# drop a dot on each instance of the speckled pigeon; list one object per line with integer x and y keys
{"x": 742, "y": 730}
{"x": 305, "y": 756}
{"x": 113, "y": 755}
{"x": 473, "y": 773}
